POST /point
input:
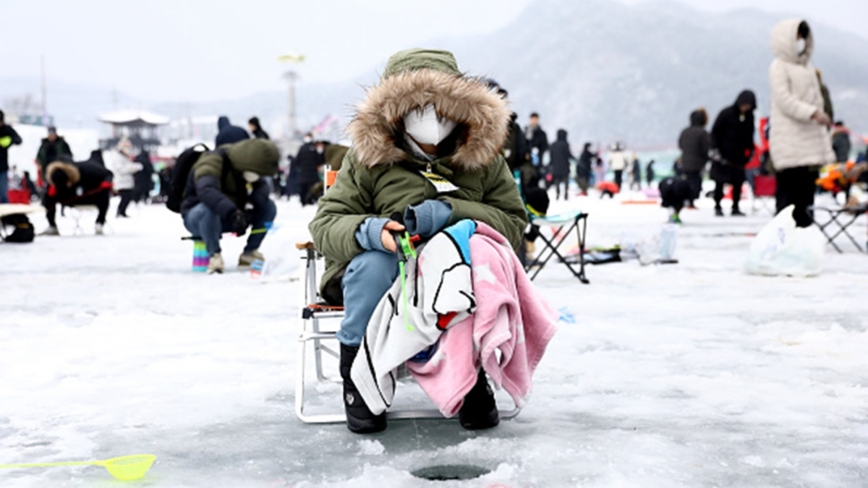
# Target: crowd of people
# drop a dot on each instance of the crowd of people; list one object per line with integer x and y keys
{"x": 798, "y": 140}
{"x": 432, "y": 150}
{"x": 796, "y": 144}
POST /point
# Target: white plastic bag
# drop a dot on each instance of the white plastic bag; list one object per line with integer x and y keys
{"x": 782, "y": 249}
{"x": 659, "y": 248}
{"x": 281, "y": 263}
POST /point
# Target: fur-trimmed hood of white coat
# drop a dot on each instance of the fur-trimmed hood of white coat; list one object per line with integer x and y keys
{"x": 795, "y": 139}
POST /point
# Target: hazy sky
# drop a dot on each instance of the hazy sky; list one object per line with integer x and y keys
{"x": 198, "y": 50}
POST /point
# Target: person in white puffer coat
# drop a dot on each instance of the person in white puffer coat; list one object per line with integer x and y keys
{"x": 799, "y": 138}
{"x": 121, "y": 164}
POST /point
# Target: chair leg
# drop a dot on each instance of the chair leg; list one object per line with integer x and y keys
{"x": 551, "y": 250}
{"x": 581, "y": 234}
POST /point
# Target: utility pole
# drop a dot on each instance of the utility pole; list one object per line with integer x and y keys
{"x": 291, "y": 77}
{"x": 44, "y": 90}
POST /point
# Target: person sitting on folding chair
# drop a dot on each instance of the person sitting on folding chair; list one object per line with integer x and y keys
{"x": 73, "y": 185}
{"x": 426, "y": 147}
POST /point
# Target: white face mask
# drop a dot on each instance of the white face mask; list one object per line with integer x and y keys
{"x": 800, "y": 45}
{"x": 250, "y": 177}
{"x": 426, "y": 128}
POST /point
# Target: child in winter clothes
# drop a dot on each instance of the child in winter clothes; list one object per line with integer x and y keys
{"x": 124, "y": 169}
{"x": 426, "y": 146}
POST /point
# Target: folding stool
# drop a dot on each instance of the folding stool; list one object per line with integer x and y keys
{"x": 575, "y": 220}
{"x": 837, "y": 222}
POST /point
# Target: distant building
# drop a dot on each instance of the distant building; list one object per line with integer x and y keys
{"x": 140, "y": 127}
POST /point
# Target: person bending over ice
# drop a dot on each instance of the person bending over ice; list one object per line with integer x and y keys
{"x": 74, "y": 185}
{"x": 226, "y": 192}
{"x": 426, "y": 146}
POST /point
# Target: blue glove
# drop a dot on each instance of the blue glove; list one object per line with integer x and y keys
{"x": 427, "y": 218}
{"x": 368, "y": 234}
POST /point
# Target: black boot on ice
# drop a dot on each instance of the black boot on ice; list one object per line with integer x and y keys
{"x": 479, "y": 410}
{"x": 359, "y": 418}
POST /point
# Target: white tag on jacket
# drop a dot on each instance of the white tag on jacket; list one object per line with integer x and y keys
{"x": 441, "y": 184}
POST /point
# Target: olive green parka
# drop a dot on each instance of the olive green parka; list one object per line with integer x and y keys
{"x": 380, "y": 175}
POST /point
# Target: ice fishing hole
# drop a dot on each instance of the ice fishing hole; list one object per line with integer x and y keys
{"x": 448, "y": 472}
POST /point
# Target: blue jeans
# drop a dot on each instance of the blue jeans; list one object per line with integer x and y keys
{"x": 368, "y": 277}
{"x": 204, "y": 223}
{"x": 4, "y": 187}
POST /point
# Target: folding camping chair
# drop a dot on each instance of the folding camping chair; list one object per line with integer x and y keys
{"x": 79, "y": 212}
{"x": 837, "y": 221}
{"x": 318, "y": 325}
{"x": 764, "y": 189}
{"x": 569, "y": 221}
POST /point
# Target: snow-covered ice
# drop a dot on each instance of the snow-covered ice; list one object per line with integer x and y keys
{"x": 692, "y": 374}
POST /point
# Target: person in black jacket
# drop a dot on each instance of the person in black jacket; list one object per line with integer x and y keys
{"x": 27, "y": 182}
{"x": 144, "y": 178}
{"x": 694, "y": 143}
{"x": 53, "y": 148}
{"x": 8, "y": 137}
{"x": 841, "y": 142}
{"x": 515, "y": 150}
{"x": 228, "y": 133}
{"x": 256, "y": 129}
{"x": 76, "y": 184}
{"x": 559, "y": 165}
{"x": 537, "y": 140}
{"x": 732, "y": 144}
{"x": 649, "y": 173}
{"x": 96, "y": 157}
{"x": 584, "y": 167}
{"x": 308, "y": 160}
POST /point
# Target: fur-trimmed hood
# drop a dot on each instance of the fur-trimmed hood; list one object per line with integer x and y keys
{"x": 482, "y": 116}
{"x": 71, "y": 170}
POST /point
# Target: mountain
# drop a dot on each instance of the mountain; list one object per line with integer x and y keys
{"x": 606, "y": 71}
{"x": 600, "y": 69}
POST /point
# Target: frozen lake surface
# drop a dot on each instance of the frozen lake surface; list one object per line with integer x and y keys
{"x": 693, "y": 374}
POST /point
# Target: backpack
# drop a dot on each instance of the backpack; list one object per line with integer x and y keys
{"x": 180, "y": 173}
{"x": 23, "y": 228}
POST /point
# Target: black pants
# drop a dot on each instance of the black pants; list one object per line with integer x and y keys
{"x": 100, "y": 199}
{"x": 694, "y": 179}
{"x": 126, "y": 198}
{"x": 583, "y": 183}
{"x": 558, "y": 181}
{"x": 796, "y": 186}
{"x": 304, "y": 192}
{"x": 736, "y": 179}
{"x": 619, "y": 177}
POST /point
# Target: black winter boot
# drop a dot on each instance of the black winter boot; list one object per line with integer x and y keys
{"x": 359, "y": 417}
{"x": 479, "y": 410}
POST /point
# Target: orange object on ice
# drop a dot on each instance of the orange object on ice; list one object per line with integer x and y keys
{"x": 608, "y": 187}
{"x": 834, "y": 178}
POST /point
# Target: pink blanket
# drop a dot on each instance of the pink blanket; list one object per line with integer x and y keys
{"x": 507, "y": 335}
